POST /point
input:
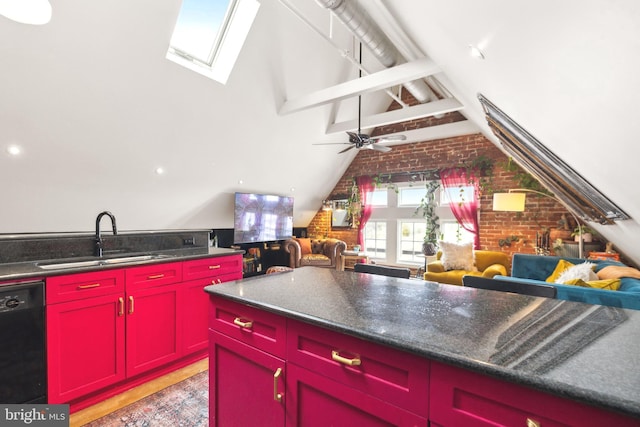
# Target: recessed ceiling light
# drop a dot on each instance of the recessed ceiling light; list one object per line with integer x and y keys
{"x": 476, "y": 52}
{"x": 14, "y": 150}
{"x": 159, "y": 171}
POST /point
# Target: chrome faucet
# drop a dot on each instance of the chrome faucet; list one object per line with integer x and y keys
{"x": 98, "y": 249}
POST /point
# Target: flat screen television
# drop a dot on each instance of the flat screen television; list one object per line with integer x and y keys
{"x": 262, "y": 218}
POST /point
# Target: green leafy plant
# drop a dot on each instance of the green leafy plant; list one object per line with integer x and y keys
{"x": 508, "y": 240}
{"x": 427, "y": 209}
{"x": 585, "y": 230}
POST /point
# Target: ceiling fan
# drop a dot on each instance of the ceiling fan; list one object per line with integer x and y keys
{"x": 362, "y": 140}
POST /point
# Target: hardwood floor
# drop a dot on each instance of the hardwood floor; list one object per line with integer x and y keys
{"x": 121, "y": 400}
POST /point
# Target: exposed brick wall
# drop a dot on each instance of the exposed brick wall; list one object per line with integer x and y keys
{"x": 542, "y": 213}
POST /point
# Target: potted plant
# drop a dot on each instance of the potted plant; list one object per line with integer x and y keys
{"x": 427, "y": 208}
{"x": 587, "y": 234}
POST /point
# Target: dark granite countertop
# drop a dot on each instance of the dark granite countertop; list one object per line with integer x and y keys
{"x": 28, "y": 270}
{"x": 578, "y": 351}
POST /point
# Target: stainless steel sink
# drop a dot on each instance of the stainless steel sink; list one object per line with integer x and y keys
{"x": 63, "y": 265}
{"x": 98, "y": 262}
{"x": 131, "y": 259}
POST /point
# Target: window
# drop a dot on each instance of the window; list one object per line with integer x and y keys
{"x": 411, "y": 239}
{"x": 209, "y": 34}
{"x": 394, "y": 234}
{"x": 452, "y": 231}
{"x": 379, "y": 197}
{"x": 375, "y": 239}
{"x": 456, "y": 194}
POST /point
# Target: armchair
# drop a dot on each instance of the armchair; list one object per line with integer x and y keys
{"x": 315, "y": 252}
{"x": 487, "y": 263}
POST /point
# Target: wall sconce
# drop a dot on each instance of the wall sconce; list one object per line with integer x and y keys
{"x": 326, "y": 205}
{"x": 514, "y": 201}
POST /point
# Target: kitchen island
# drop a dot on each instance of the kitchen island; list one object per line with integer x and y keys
{"x": 476, "y": 353}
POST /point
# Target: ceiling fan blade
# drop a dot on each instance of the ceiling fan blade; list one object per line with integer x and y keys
{"x": 380, "y": 148}
{"x": 346, "y": 149}
{"x": 331, "y": 143}
{"x": 389, "y": 138}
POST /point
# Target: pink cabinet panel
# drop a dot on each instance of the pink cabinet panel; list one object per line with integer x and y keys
{"x": 397, "y": 377}
{"x": 317, "y": 401}
{"x": 246, "y": 385}
{"x": 463, "y": 398}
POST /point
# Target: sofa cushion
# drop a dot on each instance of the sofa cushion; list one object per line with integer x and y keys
{"x": 305, "y": 246}
{"x": 560, "y": 268}
{"x": 583, "y": 271}
{"x": 608, "y": 284}
{"x": 315, "y": 259}
{"x": 317, "y": 246}
{"x": 457, "y": 257}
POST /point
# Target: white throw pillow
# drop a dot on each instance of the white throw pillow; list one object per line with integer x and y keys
{"x": 582, "y": 271}
{"x": 457, "y": 256}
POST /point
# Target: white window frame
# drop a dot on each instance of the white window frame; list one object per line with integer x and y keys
{"x": 375, "y": 255}
{"x": 226, "y": 48}
{"x": 393, "y": 215}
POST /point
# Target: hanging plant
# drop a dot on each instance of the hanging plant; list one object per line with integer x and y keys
{"x": 427, "y": 209}
{"x": 482, "y": 167}
{"x": 354, "y": 206}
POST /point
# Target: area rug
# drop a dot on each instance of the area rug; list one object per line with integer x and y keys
{"x": 182, "y": 404}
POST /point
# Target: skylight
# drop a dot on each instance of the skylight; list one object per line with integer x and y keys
{"x": 209, "y": 34}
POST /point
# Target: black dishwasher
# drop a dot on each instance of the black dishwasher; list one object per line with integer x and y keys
{"x": 23, "y": 374}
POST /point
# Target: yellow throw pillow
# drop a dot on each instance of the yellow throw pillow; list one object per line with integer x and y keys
{"x": 560, "y": 268}
{"x": 608, "y": 284}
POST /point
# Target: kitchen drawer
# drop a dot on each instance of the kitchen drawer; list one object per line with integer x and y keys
{"x": 83, "y": 285}
{"x": 212, "y": 267}
{"x": 400, "y": 378}
{"x": 260, "y": 329}
{"x": 463, "y": 398}
{"x": 153, "y": 275}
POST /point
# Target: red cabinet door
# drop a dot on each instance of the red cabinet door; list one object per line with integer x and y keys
{"x": 152, "y": 335}
{"x": 246, "y": 385}
{"x": 195, "y": 304}
{"x": 315, "y": 400}
{"x": 85, "y": 346}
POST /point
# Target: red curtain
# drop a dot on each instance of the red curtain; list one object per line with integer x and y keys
{"x": 466, "y": 212}
{"x": 365, "y": 187}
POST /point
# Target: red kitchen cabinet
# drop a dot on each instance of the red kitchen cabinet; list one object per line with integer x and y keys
{"x": 197, "y": 275}
{"x": 324, "y": 378}
{"x": 246, "y": 384}
{"x": 316, "y": 400}
{"x": 85, "y": 346}
{"x": 152, "y": 332}
{"x": 85, "y": 333}
{"x": 219, "y": 269}
{"x": 464, "y": 398}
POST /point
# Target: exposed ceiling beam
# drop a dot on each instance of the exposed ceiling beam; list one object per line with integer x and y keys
{"x": 397, "y": 116}
{"x": 373, "y": 82}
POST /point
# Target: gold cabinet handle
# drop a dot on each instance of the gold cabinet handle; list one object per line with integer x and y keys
{"x": 335, "y": 355}
{"x": 93, "y": 285}
{"x": 277, "y": 396}
{"x": 156, "y": 276}
{"x": 214, "y": 267}
{"x": 120, "y": 306}
{"x": 533, "y": 423}
{"x": 130, "y": 304}
{"x": 247, "y": 324}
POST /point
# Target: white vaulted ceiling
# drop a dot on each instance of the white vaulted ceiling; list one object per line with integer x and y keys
{"x": 97, "y": 108}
